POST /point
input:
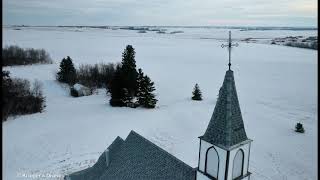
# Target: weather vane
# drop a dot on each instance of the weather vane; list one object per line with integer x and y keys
{"x": 229, "y": 45}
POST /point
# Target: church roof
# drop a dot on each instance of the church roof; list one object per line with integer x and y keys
{"x": 226, "y": 128}
{"x": 100, "y": 166}
{"x": 136, "y": 158}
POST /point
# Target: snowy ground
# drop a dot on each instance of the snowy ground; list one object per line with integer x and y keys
{"x": 276, "y": 86}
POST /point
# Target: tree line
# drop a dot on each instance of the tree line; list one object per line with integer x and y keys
{"x": 93, "y": 76}
{"x": 127, "y": 86}
{"x": 14, "y": 55}
{"x": 311, "y": 45}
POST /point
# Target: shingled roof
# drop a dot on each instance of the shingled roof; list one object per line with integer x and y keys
{"x": 136, "y": 158}
{"x": 226, "y": 127}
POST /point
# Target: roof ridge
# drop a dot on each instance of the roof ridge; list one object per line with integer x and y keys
{"x": 135, "y": 133}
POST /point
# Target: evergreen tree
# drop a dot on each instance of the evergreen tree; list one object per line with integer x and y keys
{"x": 145, "y": 96}
{"x": 129, "y": 72}
{"x": 116, "y": 88}
{"x": 127, "y": 98}
{"x": 196, "y": 93}
{"x": 67, "y": 73}
{"x": 139, "y": 82}
{"x": 299, "y": 128}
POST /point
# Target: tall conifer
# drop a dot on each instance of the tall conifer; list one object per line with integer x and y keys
{"x": 128, "y": 70}
{"x": 116, "y": 88}
{"x": 197, "y": 95}
{"x": 146, "y": 98}
{"x": 67, "y": 73}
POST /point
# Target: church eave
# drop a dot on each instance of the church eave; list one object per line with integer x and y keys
{"x": 228, "y": 148}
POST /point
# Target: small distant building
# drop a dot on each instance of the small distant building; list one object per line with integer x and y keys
{"x": 80, "y": 90}
{"x": 224, "y": 150}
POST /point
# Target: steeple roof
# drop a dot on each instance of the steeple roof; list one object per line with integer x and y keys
{"x": 226, "y": 127}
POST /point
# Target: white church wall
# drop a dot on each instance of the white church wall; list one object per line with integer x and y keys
{"x": 233, "y": 152}
{"x": 203, "y": 149}
{"x": 222, "y": 158}
{"x": 222, "y": 164}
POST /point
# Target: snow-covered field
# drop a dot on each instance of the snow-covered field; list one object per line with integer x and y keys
{"x": 277, "y": 87}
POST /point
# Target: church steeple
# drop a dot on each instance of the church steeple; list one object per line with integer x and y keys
{"x": 225, "y": 148}
{"x": 226, "y": 126}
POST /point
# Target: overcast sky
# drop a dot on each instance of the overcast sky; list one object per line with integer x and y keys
{"x": 161, "y": 12}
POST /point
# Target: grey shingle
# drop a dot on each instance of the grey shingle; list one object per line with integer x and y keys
{"x": 226, "y": 126}
{"x": 138, "y": 159}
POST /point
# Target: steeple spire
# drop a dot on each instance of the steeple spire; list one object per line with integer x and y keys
{"x": 229, "y": 45}
{"x": 226, "y": 126}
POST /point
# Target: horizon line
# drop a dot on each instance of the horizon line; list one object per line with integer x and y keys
{"x": 223, "y": 26}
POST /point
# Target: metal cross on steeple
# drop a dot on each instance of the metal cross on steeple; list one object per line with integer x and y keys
{"x": 229, "y": 45}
